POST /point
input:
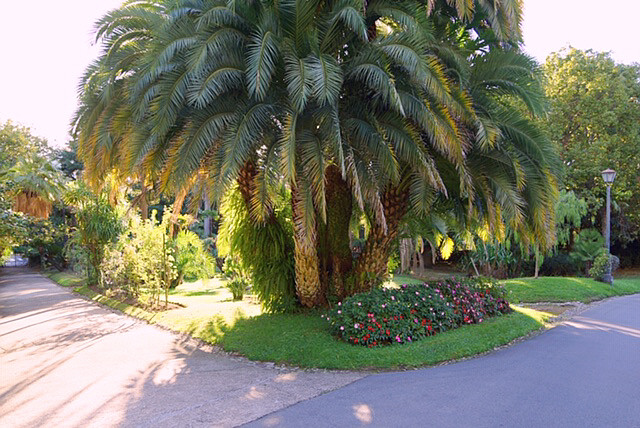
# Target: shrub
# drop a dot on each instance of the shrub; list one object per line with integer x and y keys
{"x": 237, "y": 287}
{"x": 192, "y": 259}
{"x": 561, "y": 264}
{"x": 601, "y": 265}
{"x": 588, "y": 246}
{"x": 390, "y": 316}
{"x": 142, "y": 262}
{"x": 98, "y": 226}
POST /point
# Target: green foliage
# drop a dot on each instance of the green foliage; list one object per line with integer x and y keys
{"x": 394, "y": 262}
{"x": 600, "y": 267}
{"x": 233, "y": 268}
{"x": 192, "y": 261}
{"x": 390, "y": 316}
{"x": 142, "y": 262}
{"x": 603, "y": 264}
{"x": 569, "y": 213}
{"x": 5, "y": 254}
{"x": 13, "y": 227}
{"x": 237, "y": 286}
{"x": 98, "y": 226}
{"x": 264, "y": 251}
{"x": 589, "y": 244}
{"x": 560, "y": 264}
{"x": 595, "y": 121}
{"x": 497, "y": 259}
{"x": 17, "y": 142}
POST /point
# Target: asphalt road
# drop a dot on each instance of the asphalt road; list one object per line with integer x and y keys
{"x": 583, "y": 373}
{"x": 68, "y": 362}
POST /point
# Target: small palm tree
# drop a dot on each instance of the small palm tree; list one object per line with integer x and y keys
{"x": 34, "y": 185}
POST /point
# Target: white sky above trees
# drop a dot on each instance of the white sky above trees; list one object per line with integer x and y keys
{"x": 45, "y": 46}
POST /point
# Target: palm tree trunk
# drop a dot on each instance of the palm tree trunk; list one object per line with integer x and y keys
{"x": 339, "y": 260}
{"x": 246, "y": 181}
{"x": 308, "y": 286}
{"x": 181, "y": 195}
{"x": 247, "y": 186}
{"x": 206, "y": 221}
{"x": 371, "y": 267}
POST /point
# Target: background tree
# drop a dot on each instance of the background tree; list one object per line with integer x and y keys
{"x": 595, "y": 120}
{"x": 17, "y": 142}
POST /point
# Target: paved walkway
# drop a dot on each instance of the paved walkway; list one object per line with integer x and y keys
{"x": 583, "y": 373}
{"x": 67, "y": 362}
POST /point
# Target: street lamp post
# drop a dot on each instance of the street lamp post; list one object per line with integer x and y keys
{"x": 608, "y": 175}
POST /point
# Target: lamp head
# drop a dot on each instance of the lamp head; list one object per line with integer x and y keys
{"x": 608, "y": 175}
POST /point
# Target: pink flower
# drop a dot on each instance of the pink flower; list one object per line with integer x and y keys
{"x": 359, "y": 304}
{"x": 355, "y": 325}
{"x": 341, "y": 327}
{"x": 339, "y": 311}
{"x": 393, "y": 297}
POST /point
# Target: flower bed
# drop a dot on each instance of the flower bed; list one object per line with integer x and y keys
{"x": 392, "y": 316}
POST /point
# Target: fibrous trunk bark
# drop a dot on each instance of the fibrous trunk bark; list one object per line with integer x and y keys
{"x": 246, "y": 181}
{"x": 247, "y": 185}
{"x": 334, "y": 249}
{"x": 371, "y": 267}
{"x": 308, "y": 286}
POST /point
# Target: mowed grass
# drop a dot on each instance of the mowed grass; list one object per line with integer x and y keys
{"x": 565, "y": 289}
{"x": 303, "y": 339}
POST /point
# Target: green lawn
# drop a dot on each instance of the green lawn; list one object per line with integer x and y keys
{"x": 561, "y": 289}
{"x": 303, "y": 339}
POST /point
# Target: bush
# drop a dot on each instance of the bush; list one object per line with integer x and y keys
{"x": 142, "y": 263}
{"x": 390, "y": 316}
{"x": 601, "y": 266}
{"x": 192, "y": 259}
{"x": 561, "y": 264}
{"x": 98, "y": 226}
{"x": 589, "y": 245}
{"x": 237, "y": 287}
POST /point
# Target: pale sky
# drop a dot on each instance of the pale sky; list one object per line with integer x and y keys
{"x": 45, "y": 46}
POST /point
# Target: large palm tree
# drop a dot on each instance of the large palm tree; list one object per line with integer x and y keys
{"x": 255, "y": 93}
{"x": 350, "y": 103}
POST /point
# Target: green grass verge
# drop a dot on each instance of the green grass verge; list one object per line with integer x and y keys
{"x": 561, "y": 289}
{"x": 65, "y": 279}
{"x": 304, "y": 339}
